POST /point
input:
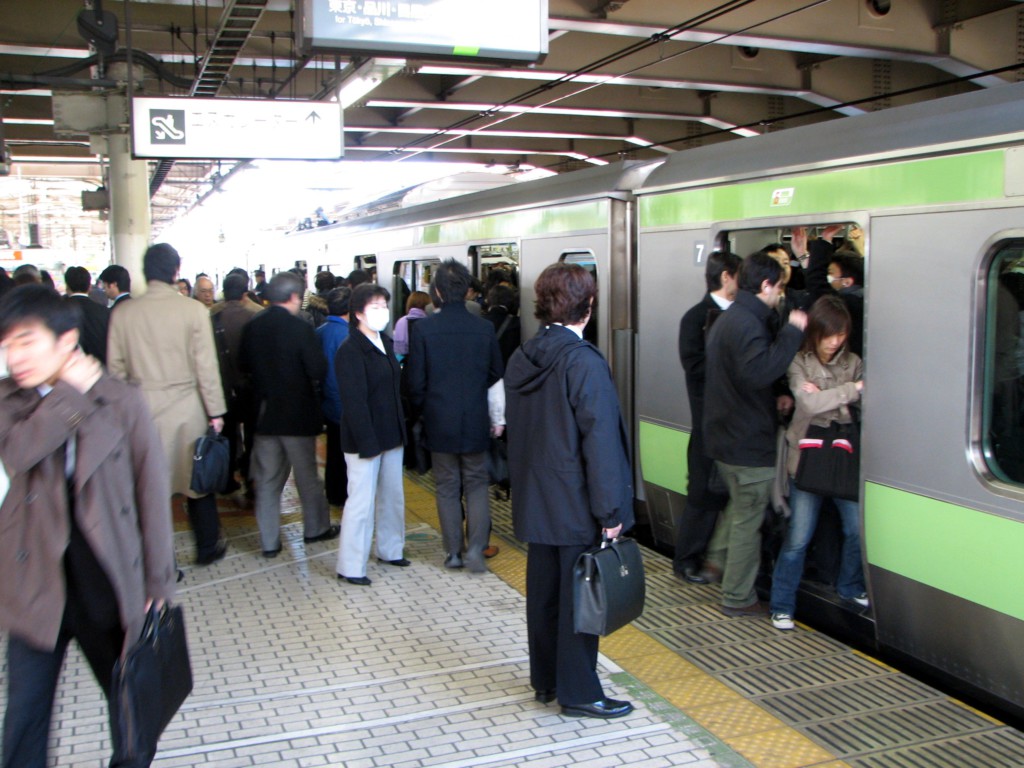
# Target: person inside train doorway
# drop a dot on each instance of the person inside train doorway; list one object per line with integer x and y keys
{"x": 745, "y": 361}
{"x": 454, "y": 360}
{"x": 87, "y": 541}
{"x": 703, "y": 505}
{"x": 568, "y": 459}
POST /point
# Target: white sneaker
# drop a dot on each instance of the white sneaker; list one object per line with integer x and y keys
{"x": 861, "y": 600}
{"x": 782, "y": 621}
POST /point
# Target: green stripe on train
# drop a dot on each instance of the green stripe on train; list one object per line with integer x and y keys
{"x": 663, "y": 456}
{"x": 967, "y": 553}
{"x": 592, "y": 214}
{"x": 956, "y": 179}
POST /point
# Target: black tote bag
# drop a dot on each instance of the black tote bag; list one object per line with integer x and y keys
{"x": 608, "y": 587}
{"x": 150, "y": 683}
{"x": 830, "y": 461}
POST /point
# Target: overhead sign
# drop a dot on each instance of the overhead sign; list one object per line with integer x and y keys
{"x": 242, "y": 129}
{"x": 512, "y": 30}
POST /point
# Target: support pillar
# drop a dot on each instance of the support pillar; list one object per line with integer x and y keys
{"x": 128, "y": 183}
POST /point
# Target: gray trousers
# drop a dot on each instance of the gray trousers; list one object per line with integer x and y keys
{"x": 455, "y": 473}
{"x": 273, "y": 459}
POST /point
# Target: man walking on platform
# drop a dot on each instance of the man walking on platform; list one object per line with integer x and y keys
{"x": 454, "y": 359}
{"x": 164, "y": 343}
{"x": 287, "y": 368}
{"x": 745, "y": 359}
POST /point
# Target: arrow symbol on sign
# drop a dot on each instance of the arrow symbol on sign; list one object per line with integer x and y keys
{"x": 313, "y": 116}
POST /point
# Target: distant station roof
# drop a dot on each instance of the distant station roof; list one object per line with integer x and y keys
{"x": 622, "y": 79}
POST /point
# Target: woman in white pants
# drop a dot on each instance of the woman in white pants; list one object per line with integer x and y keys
{"x": 372, "y": 438}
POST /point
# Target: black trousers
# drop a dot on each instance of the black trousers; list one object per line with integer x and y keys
{"x": 202, "y": 516}
{"x": 335, "y": 469}
{"x": 696, "y": 524}
{"x": 560, "y": 659}
{"x": 240, "y": 430}
{"x": 32, "y": 677}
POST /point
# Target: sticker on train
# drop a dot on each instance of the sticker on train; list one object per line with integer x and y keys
{"x": 781, "y": 197}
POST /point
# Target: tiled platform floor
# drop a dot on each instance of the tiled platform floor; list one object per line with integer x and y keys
{"x": 425, "y": 668}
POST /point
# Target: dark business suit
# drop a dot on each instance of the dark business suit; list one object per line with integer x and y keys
{"x": 287, "y": 368}
{"x": 697, "y": 521}
{"x": 95, "y": 319}
{"x": 119, "y": 300}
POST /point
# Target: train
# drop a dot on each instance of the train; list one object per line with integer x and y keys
{"x": 937, "y": 189}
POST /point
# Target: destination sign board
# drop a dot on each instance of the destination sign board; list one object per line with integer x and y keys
{"x": 179, "y": 128}
{"x": 513, "y": 30}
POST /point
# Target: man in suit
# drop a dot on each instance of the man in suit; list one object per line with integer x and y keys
{"x": 94, "y": 317}
{"x": 164, "y": 343}
{"x": 117, "y": 284}
{"x": 697, "y": 522}
{"x": 287, "y": 368}
{"x": 454, "y": 359}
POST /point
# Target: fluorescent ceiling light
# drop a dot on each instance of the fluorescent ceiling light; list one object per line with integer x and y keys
{"x": 371, "y": 74}
{"x": 477, "y": 151}
{"x": 498, "y": 133}
{"x": 27, "y": 121}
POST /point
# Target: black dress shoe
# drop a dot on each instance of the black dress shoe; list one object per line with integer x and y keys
{"x": 360, "y": 581}
{"x": 605, "y": 709}
{"x": 272, "y": 552}
{"x": 692, "y": 575}
{"x": 213, "y": 557}
{"x": 546, "y": 696}
{"x": 331, "y": 533}
{"x": 400, "y": 562}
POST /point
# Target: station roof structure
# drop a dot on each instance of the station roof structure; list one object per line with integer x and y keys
{"x": 622, "y": 79}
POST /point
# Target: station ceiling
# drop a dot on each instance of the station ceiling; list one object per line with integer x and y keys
{"x": 635, "y": 79}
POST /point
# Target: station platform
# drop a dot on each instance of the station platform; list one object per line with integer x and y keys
{"x": 428, "y": 667}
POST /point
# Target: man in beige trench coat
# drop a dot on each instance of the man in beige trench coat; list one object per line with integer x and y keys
{"x": 163, "y": 342}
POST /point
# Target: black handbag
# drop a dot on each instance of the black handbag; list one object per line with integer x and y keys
{"x": 150, "y": 683}
{"x": 830, "y": 461}
{"x": 211, "y": 463}
{"x": 608, "y": 587}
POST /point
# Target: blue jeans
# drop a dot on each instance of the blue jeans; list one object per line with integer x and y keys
{"x": 790, "y": 566}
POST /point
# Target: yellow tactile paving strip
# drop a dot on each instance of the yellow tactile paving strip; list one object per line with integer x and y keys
{"x": 745, "y": 727}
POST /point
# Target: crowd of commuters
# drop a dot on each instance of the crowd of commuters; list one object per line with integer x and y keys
{"x": 111, "y": 393}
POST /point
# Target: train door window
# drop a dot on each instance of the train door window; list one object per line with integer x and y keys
{"x": 367, "y": 261}
{"x": 488, "y": 257}
{"x": 409, "y": 276}
{"x": 588, "y": 261}
{"x": 1003, "y": 404}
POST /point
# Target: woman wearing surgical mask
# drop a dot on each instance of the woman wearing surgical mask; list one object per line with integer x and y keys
{"x": 372, "y": 438}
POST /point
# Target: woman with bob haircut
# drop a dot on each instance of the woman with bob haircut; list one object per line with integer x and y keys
{"x": 569, "y": 465}
{"x": 825, "y": 378}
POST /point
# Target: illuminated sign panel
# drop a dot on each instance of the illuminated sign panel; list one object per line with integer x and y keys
{"x": 236, "y": 129}
{"x": 508, "y": 30}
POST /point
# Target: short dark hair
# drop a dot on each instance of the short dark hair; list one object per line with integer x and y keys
{"x": 719, "y": 262}
{"x": 259, "y": 273}
{"x": 362, "y": 295}
{"x": 235, "y": 287}
{"x": 451, "y": 282}
{"x": 338, "y": 301}
{"x": 35, "y": 302}
{"x": 358, "y": 277}
{"x": 828, "y": 317}
{"x": 501, "y": 296}
{"x": 564, "y": 293}
{"x": 188, "y": 284}
{"x": 773, "y": 247}
{"x": 757, "y": 268}
{"x": 161, "y": 263}
{"x": 117, "y": 275}
{"x": 77, "y": 279}
{"x": 324, "y": 281}
{"x": 849, "y": 266}
{"x": 282, "y": 286}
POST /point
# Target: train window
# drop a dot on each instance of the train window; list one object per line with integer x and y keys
{"x": 409, "y": 276}
{"x": 587, "y": 260}
{"x": 1003, "y": 406}
{"x": 743, "y": 242}
{"x": 491, "y": 256}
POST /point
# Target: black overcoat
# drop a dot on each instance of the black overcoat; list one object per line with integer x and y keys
{"x": 371, "y": 401}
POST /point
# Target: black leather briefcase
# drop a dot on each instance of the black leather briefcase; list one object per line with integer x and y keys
{"x": 211, "y": 463}
{"x": 608, "y": 587}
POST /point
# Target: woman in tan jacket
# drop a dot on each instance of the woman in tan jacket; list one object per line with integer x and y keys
{"x": 825, "y": 378}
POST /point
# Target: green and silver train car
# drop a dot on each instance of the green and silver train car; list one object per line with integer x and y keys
{"x": 938, "y": 191}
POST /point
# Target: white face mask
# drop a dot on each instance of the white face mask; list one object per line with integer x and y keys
{"x": 377, "y": 318}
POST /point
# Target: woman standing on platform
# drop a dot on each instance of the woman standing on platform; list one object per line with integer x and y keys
{"x": 372, "y": 437}
{"x": 569, "y": 468}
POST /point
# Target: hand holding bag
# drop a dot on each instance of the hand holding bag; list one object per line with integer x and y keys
{"x": 150, "y": 683}
{"x": 608, "y": 587}
{"x": 211, "y": 463}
